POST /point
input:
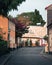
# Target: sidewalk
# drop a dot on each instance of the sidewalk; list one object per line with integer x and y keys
{"x": 46, "y": 55}
{"x": 4, "y": 58}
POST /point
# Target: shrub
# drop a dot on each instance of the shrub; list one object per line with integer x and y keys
{"x": 3, "y": 47}
{"x": 45, "y": 37}
{"x": 37, "y": 43}
{"x": 1, "y": 37}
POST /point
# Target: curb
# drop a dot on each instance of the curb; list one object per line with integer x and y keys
{"x": 46, "y": 55}
{"x": 43, "y": 55}
{"x": 8, "y": 57}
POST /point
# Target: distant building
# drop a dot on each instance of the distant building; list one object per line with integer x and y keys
{"x": 36, "y": 33}
{"x": 49, "y": 26}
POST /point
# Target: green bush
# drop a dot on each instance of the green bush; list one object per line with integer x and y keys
{"x": 3, "y": 43}
{"x": 3, "y": 47}
{"x": 1, "y": 37}
{"x": 45, "y": 37}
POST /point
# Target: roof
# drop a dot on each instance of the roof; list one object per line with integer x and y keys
{"x": 49, "y": 7}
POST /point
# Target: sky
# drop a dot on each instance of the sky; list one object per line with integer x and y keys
{"x": 30, "y": 6}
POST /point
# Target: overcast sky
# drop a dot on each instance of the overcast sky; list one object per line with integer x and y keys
{"x": 31, "y": 5}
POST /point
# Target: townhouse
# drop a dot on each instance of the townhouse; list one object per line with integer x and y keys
{"x": 49, "y": 27}
{"x": 7, "y": 26}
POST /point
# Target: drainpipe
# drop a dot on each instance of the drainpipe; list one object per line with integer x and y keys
{"x": 8, "y": 35}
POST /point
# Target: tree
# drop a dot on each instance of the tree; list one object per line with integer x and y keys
{"x": 26, "y": 17}
{"x": 37, "y": 18}
{"x": 20, "y": 28}
{"x": 34, "y": 17}
{"x": 8, "y": 5}
{"x": 45, "y": 38}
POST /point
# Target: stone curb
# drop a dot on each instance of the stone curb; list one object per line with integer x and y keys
{"x": 6, "y": 59}
{"x": 46, "y": 55}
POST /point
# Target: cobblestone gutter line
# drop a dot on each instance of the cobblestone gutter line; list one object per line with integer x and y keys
{"x": 46, "y": 55}
{"x": 6, "y": 59}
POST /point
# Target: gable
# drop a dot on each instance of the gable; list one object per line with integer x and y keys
{"x": 49, "y": 7}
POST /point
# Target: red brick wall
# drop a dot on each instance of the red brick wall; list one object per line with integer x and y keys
{"x": 4, "y": 26}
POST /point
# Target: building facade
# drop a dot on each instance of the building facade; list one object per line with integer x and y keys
{"x": 7, "y": 30}
{"x": 11, "y": 35}
{"x": 4, "y": 27}
{"x": 49, "y": 26}
{"x": 36, "y": 33}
